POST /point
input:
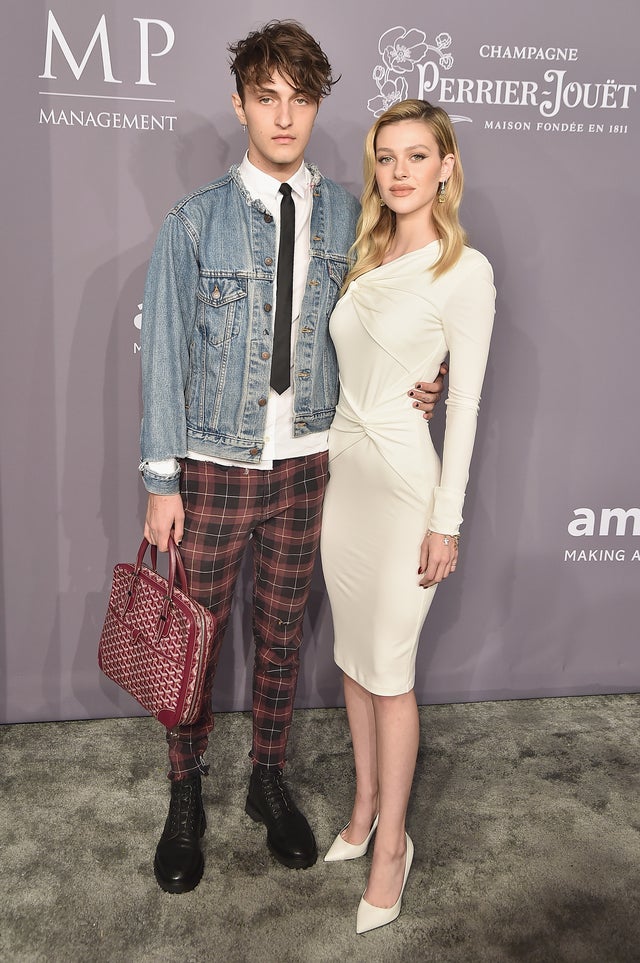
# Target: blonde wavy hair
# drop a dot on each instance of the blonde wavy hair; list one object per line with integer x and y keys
{"x": 377, "y": 224}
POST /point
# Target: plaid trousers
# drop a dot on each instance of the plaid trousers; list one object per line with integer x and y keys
{"x": 280, "y": 511}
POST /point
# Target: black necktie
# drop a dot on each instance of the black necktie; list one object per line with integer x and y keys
{"x": 281, "y": 358}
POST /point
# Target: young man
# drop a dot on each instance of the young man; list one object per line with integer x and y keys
{"x": 236, "y": 408}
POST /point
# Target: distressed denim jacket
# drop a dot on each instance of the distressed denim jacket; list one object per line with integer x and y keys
{"x": 206, "y": 335}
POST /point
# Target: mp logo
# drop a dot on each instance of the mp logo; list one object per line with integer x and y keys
{"x": 100, "y": 41}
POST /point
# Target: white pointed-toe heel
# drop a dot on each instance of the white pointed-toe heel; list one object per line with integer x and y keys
{"x": 341, "y": 849}
{"x": 370, "y": 917}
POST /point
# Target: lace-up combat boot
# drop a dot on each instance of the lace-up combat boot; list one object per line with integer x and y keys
{"x": 179, "y": 862}
{"x": 289, "y": 836}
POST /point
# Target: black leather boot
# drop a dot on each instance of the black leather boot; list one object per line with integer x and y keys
{"x": 289, "y": 836}
{"x": 179, "y": 862}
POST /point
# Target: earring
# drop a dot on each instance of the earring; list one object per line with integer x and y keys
{"x": 442, "y": 192}
{"x": 382, "y": 203}
{"x": 244, "y": 127}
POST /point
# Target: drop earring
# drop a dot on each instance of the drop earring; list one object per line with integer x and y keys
{"x": 442, "y": 192}
{"x": 244, "y": 127}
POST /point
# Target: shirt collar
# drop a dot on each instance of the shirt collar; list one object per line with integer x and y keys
{"x": 259, "y": 183}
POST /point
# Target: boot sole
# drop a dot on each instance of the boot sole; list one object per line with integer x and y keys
{"x": 291, "y": 862}
{"x": 182, "y": 886}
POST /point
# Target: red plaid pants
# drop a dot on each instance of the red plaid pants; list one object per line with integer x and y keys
{"x": 280, "y": 511}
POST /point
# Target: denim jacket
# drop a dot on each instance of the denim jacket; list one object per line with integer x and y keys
{"x": 206, "y": 334}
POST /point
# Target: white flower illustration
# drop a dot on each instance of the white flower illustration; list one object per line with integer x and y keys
{"x": 391, "y": 91}
{"x": 402, "y": 49}
{"x": 443, "y": 40}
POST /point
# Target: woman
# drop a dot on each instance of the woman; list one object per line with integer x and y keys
{"x": 391, "y": 518}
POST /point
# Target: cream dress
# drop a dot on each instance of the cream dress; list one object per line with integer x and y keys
{"x": 393, "y": 327}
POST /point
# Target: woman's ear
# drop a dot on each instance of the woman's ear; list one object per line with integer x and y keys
{"x": 448, "y": 163}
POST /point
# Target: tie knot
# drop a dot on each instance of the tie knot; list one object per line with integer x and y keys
{"x": 285, "y": 189}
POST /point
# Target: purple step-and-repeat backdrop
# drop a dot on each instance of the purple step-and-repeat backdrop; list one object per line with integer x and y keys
{"x": 113, "y": 111}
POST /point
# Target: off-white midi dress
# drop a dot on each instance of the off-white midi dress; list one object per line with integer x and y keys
{"x": 393, "y": 327}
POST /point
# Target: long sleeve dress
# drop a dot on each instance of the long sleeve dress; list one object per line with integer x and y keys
{"x": 394, "y": 326}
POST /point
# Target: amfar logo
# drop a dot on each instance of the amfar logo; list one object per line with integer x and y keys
{"x": 137, "y": 323}
{"x": 611, "y": 521}
{"x": 585, "y": 521}
{"x": 155, "y": 39}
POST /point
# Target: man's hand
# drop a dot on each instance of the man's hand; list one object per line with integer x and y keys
{"x": 426, "y": 394}
{"x": 164, "y": 512}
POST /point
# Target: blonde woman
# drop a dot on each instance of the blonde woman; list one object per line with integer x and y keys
{"x": 416, "y": 292}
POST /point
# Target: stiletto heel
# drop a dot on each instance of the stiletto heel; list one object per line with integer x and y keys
{"x": 341, "y": 849}
{"x": 370, "y": 917}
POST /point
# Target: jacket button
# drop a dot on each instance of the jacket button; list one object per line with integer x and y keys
{"x": 254, "y": 451}
{"x": 267, "y": 306}
{"x": 262, "y": 402}
{"x": 268, "y": 218}
{"x": 265, "y": 355}
{"x": 268, "y": 261}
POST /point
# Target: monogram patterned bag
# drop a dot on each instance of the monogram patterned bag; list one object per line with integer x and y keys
{"x": 156, "y": 641}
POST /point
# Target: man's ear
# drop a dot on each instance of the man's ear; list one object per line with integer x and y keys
{"x": 239, "y": 109}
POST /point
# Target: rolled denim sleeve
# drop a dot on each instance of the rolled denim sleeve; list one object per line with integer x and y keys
{"x": 168, "y": 318}
{"x": 158, "y": 483}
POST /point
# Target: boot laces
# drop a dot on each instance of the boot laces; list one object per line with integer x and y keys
{"x": 184, "y": 808}
{"x": 276, "y": 793}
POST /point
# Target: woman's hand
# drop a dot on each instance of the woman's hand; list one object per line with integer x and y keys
{"x": 426, "y": 394}
{"x": 438, "y": 558}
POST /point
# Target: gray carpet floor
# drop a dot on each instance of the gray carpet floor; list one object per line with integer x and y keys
{"x": 525, "y": 818}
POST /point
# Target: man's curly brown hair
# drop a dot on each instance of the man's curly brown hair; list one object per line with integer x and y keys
{"x": 286, "y": 47}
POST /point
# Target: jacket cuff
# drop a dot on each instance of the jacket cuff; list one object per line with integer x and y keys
{"x": 157, "y": 484}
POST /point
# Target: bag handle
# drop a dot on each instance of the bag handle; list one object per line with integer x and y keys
{"x": 176, "y": 565}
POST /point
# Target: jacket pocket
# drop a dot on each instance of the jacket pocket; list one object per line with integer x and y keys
{"x": 221, "y": 303}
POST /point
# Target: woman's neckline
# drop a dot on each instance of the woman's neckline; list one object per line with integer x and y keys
{"x": 408, "y": 253}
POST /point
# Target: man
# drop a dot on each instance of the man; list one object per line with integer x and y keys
{"x": 236, "y": 408}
